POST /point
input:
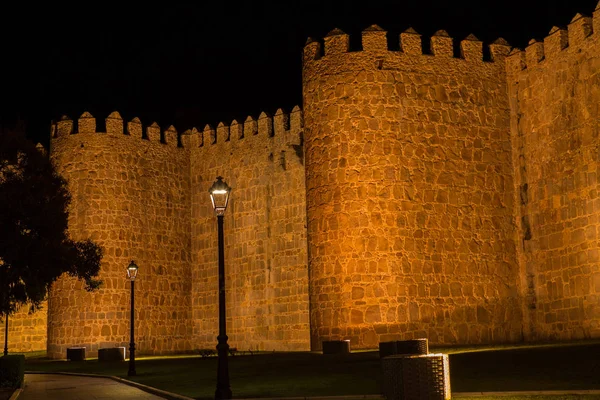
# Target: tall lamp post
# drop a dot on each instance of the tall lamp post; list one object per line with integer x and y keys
{"x": 219, "y": 195}
{"x": 132, "y": 270}
{"x": 6, "y": 334}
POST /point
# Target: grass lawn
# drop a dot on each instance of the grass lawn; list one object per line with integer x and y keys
{"x": 556, "y": 367}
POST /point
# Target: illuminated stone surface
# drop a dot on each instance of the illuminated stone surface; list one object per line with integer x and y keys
{"x": 554, "y": 125}
{"x": 448, "y": 198}
{"x": 410, "y": 198}
{"x": 26, "y": 332}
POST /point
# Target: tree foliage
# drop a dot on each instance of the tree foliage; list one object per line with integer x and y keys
{"x": 35, "y": 249}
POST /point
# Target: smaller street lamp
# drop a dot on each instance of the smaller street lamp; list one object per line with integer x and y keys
{"x": 6, "y": 334}
{"x": 132, "y": 270}
{"x": 219, "y": 195}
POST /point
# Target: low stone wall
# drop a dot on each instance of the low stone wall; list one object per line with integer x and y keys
{"x": 26, "y": 332}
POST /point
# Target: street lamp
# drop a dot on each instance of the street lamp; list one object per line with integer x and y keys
{"x": 219, "y": 195}
{"x": 132, "y": 270}
{"x": 6, "y": 334}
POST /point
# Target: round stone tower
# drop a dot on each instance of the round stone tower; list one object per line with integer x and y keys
{"x": 130, "y": 195}
{"x": 409, "y": 192}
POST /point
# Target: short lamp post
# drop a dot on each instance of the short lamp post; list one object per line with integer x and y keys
{"x": 132, "y": 270}
{"x": 219, "y": 195}
{"x": 6, "y": 334}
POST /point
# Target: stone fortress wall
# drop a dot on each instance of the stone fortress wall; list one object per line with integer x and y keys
{"x": 142, "y": 194}
{"x": 26, "y": 332}
{"x": 131, "y": 196}
{"x": 265, "y": 233}
{"x": 554, "y": 90}
{"x": 417, "y": 195}
{"x": 410, "y": 192}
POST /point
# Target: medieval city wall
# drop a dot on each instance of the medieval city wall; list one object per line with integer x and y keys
{"x": 409, "y": 192}
{"x": 555, "y": 96}
{"x": 26, "y": 331}
{"x": 450, "y": 195}
{"x": 264, "y": 232}
{"x": 130, "y": 195}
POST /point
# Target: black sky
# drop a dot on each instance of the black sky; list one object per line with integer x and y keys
{"x": 190, "y": 64}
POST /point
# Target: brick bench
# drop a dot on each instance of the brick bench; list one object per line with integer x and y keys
{"x": 336, "y": 347}
{"x": 76, "y": 353}
{"x": 111, "y": 354}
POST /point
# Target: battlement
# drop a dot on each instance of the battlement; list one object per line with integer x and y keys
{"x": 580, "y": 30}
{"x": 276, "y": 126}
{"x": 114, "y": 127}
{"x": 265, "y": 125}
{"x": 374, "y": 39}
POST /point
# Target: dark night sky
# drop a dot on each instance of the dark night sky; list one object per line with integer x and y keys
{"x": 198, "y": 63}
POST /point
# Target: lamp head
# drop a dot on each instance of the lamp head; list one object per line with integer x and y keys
{"x": 132, "y": 270}
{"x": 219, "y": 195}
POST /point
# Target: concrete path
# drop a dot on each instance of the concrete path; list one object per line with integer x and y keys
{"x": 62, "y": 387}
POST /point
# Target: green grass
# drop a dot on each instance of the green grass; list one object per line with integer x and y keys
{"x": 514, "y": 368}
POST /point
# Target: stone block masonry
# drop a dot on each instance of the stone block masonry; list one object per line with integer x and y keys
{"x": 417, "y": 195}
{"x": 142, "y": 194}
{"x": 131, "y": 196}
{"x": 409, "y": 194}
{"x": 265, "y": 234}
{"x": 26, "y": 331}
{"x": 555, "y": 91}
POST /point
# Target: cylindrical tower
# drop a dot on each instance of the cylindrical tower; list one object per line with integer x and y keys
{"x": 409, "y": 192}
{"x": 131, "y": 196}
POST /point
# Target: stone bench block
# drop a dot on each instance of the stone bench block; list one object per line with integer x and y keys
{"x": 76, "y": 353}
{"x": 336, "y": 347}
{"x": 111, "y": 354}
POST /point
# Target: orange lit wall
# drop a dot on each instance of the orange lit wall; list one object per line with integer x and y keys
{"x": 409, "y": 192}
{"x": 555, "y": 92}
{"x": 131, "y": 196}
{"x": 26, "y": 332}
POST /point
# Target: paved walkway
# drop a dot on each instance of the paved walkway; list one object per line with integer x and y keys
{"x": 62, "y": 387}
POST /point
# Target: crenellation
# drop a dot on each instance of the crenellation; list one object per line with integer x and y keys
{"x": 190, "y": 138}
{"x": 336, "y": 42}
{"x": 374, "y": 39}
{"x": 499, "y": 50}
{"x": 556, "y": 41}
{"x": 153, "y": 132}
{"x": 515, "y": 61}
{"x": 296, "y": 119}
{"x": 281, "y": 122}
{"x": 410, "y": 42}
{"x": 441, "y": 44}
{"x": 534, "y": 53}
{"x": 114, "y": 124}
{"x": 236, "y": 130}
{"x": 170, "y": 136}
{"x": 579, "y": 29}
{"x": 265, "y": 125}
{"x": 222, "y": 133}
{"x": 471, "y": 48}
{"x": 312, "y": 50}
{"x": 250, "y": 127}
{"x": 134, "y": 128}
{"x": 86, "y": 123}
{"x": 209, "y": 135}
{"x": 64, "y": 126}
